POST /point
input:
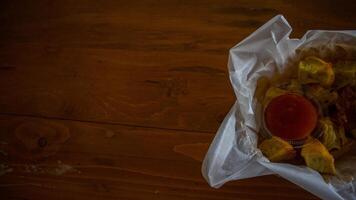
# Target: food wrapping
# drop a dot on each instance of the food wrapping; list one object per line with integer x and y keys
{"x": 234, "y": 152}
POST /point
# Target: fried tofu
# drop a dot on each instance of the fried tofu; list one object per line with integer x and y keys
{"x": 317, "y": 157}
{"x": 295, "y": 87}
{"x": 324, "y": 96}
{"x": 315, "y": 70}
{"x": 276, "y": 149}
{"x": 329, "y": 137}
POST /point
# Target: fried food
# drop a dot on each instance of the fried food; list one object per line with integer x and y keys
{"x": 331, "y": 92}
{"x": 325, "y": 97}
{"x": 295, "y": 87}
{"x": 329, "y": 137}
{"x": 315, "y": 70}
{"x": 347, "y": 103}
{"x": 317, "y": 157}
{"x": 276, "y": 149}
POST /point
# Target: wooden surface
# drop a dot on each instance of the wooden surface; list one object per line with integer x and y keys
{"x": 120, "y": 99}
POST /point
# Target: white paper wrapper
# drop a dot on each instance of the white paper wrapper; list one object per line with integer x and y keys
{"x": 233, "y": 154}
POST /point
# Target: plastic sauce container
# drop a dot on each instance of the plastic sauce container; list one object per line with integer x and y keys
{"x": 291, "y": 117}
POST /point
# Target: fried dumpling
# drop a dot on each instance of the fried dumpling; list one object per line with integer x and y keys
{"x": 276, "y": 149}
{"x": 315, "y": 70}
{"x": 317, "y": 157}
{"x": 324, "y": 97}
{"x": 295, "y": 87}
{"x": 329, "y": 136}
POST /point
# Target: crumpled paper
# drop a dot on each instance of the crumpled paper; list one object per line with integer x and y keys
{"x": 233, "y": 154}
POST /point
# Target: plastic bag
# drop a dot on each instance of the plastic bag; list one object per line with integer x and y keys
{"x": 233, "y": 154}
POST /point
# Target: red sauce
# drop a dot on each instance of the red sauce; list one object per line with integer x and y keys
{"x": 291, "y": 117}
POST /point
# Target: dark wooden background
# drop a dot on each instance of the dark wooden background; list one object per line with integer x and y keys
{"x": 121, "y": 99}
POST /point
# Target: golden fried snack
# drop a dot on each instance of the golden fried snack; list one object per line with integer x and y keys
{"x": 295, "y": 87}
{"x": 315, "y": 70}
{"x": 276, "y": 149}
{"x": 317, "y": 157}
{"x": 329, "y": 138}
{"x": 325, "y": 97}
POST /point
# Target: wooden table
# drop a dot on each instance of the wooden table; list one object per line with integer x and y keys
{"x": 121, "y": 99}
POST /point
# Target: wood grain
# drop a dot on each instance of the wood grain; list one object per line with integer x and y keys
{"x": 120, "y": 99}
{"x": 111, "y": 161}
{"x": 82, "y": 56}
